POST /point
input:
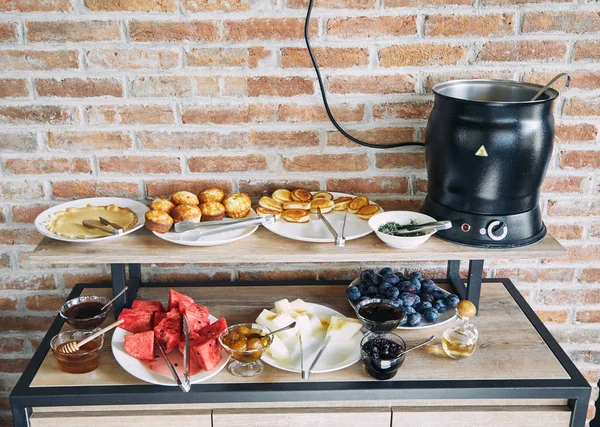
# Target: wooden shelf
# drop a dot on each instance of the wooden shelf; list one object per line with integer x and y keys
{"x": 265, "y": 247}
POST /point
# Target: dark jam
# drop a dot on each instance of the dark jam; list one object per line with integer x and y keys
{"x": 84, "y": 360}
{"x": 84, "y": 310}
{"x": 380, "y": 312}
{"x": 382, "y": 358}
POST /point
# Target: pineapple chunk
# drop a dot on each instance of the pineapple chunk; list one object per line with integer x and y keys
{"x": 278, "y": 349}
{"x": 342, "y": 328}
{"x": 267, "y": 318}
{"x": 283, "y": 306}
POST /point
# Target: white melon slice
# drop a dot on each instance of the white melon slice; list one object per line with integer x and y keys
{"x": 303, "y": 324}
{"x": 278, "y": 349}
{"x": 283, "y": 320}
{"x": 267, "y": 318}
{"x": 300, "y": 306}
{"x": 342, "y": 328}
{"x": 315, "y": 323}
{"x": 283, "y": 306}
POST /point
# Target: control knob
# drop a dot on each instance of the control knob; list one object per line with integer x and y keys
{"x": 497, "y": 230}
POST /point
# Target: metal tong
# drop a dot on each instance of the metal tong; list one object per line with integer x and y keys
{"x": 184, "y": 385}
{"x": 316, "y": 359}
{"x": 183, "y": 226}
{"x": 427, "y": 228}
{"x": 340, "y": 241}
{"x": 92, "y": 224}
{"x": 193, "y": 235}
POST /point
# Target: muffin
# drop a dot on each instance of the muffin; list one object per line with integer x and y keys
{"x": 186, "y": 213}
{"x": 163, "y": 205}
{"x": 237, "y": 205}
{"x": 158, "y": 221}
{"x": 211, "y": 195}
{"x": 212, "y": 211}
{"x": 185, "y": 198}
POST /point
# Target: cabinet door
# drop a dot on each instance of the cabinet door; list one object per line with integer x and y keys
{"x": 150, "y": 418}
{"x": 477, "y": 416}
{"x": 302, "y": 417}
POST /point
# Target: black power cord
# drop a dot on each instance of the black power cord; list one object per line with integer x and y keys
{"x": 335, "y": 123}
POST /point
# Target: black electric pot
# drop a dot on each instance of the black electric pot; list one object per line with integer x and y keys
{"x": 487, "y": 148}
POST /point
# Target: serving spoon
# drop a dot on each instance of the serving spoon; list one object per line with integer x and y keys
{"x": 113, "y": 300}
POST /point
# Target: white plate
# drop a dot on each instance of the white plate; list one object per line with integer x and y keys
{"x": 157, "y": 371}
{"x": 214, "y": 239}
{"x": 447, "y": 316}
{"x": 315, "y": 231}
{"x": 138, "y": 208}
{"x": 337, "y": 355}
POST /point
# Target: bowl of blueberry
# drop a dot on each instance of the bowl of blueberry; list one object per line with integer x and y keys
{"x": 424, "y": 303}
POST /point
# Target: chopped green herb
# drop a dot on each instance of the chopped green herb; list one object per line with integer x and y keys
{"x": 391, "y": 228}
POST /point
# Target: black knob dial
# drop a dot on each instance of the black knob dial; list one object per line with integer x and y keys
{"x": 497, "y": 230}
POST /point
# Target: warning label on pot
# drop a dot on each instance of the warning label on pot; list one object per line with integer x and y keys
{"x": 481, "y": 152}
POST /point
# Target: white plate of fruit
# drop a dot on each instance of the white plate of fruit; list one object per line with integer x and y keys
{"x": 313, "y": 322}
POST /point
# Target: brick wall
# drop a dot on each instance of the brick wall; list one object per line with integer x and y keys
{"x": 136, "y": 98}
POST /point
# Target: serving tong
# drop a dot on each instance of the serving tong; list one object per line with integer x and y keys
{"x": 185, "y": 384}
{"x": 340, "y": 240}
{"x": 105, "y": 225}
{"x": 191, "y": 234}
{"x": 428, "y": 227}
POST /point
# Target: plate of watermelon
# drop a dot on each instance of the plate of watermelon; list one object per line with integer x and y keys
{"x": 147, "y": 323}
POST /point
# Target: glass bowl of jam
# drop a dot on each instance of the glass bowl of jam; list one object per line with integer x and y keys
{"x": 246, "y": 343}
{"x": 379, "y": 315}
{"x": 86, "y": 359}
{"x": 85, "y": 312}
{"x": 382, "y": 354}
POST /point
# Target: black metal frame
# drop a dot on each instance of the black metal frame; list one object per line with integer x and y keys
{"x": 575, "y": 389}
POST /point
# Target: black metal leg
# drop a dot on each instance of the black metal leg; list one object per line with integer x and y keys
{"x": 119, "y": 280}
{"x": 472, "y": 290}
{"x": 453, "y": 276}
{"x": 578, "y": 411}
{"x": 135, "y": 280}
{"x": 20, "y": 415}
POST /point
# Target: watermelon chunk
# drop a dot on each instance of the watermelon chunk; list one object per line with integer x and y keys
{"x": 158, "y": 316}
{"x": 197, "y": 317}
{"x": 167, "y": 333}
{"x": 140, "y": 346}
{"x": 206, "y": 356}
{"x": 212, "y": 331}
{"x": 151, "y": 306}
{"x": 178, "y": 300}
{"x": 135, "y": 321}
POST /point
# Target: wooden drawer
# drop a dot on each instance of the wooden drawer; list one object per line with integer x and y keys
{"x": 149, "y": 418}
{"x": 482, "y": 416}
{"x": 302, "y": 417}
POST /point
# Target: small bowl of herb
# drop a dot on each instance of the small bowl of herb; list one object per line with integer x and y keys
{"x": 389, "y": 225}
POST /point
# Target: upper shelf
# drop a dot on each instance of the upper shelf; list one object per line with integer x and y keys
{"x": 265, "y": 247}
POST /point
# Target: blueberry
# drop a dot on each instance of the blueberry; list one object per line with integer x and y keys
{"x": 452, "y": 300}
{"x": 431, "y": 315}
{"x": 440, "y": 305}
{"x": 372, "y": 291}
{"x": 409, "y": 299}
{"x": 414, "y": 319}
{"x": 427, "y": 286}
{"x": 416, "y": 275}
{"x": 383, "y": 288}
{"x": 439, "y": 294}
{"x": 426, "y": 297}
{"x": 392, "y": 293}
{"x": 407, "y": 287}
{"x": 422, "y": 306}
{"x": 366, "y": 275}
{"x": 376, "y": 279}
{"x": 410, "y": 310}
{"x": 416, "y": 282}
{"x": 353, "y": 293}
{"x": 385, "y": 271}
{"x": 391, "y": 279}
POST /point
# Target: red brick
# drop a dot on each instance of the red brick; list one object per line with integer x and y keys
{"x": 400, "y": 160}
{"x": 34, "y": 60}
{"x": 537, "y": 275}
{"x": 132, "y": 5}
{"x": 128, "y": 115}
{"x": 132, "y": 59}
{"x": 290, "y": 139}
{"x": 52, "y": 165}
{"x": 20, "y": 190}
{"x": 560, "y": 296}
{"x": 38, "y": 114}
{"x": 590, "y": 275}
{"x": 565, "y": 232}
{"x": 192, "y": 140}
{"x": 235, "y": 86}
{"x": 72, "y": 31}
{"x": 413, "y": 205}
{"x": 44, "y": 302}
{"x": 175, "y": 31}
{"x": 348, "y": 274}
{"x": 469, "y": 25}
{"x": 78, "y": 88}
{"x": 327, "y": 57}
{"x": 13, "y": 88}
{"x": 277, "y": 275}
{"x": 227, "y": 114}
{"x": 36, "y": 6}
{"x": 573, "y": 208}
{"x": 402, "y": 110}
{"x": 332, "y": 4}
{"x": 7, "y": 303}
{"x": 401, "y": 83}
{"x": 86, "y": 141}
{"x": 216, "y": 164}
{"x": 13, "y": 365}
{"x": 420, "y": 186}
{"x": 215, "y": 6}
{"x": 327, "y": 163}
{"x": 27, "y": 213}
{"x": 579, "y": 253}
{"x": 419, "y": 55}
{"x": 174, "y": 86}
{"x": 578, "y": 133}
{"x": 364, "y": 26}
{"x": 592, "y": 296}
{"x": 225, "y": 57}
{"x": 373, "y": 185}
{"x": 83, "y": 189}
{"x": 71, "y": 280}
{"x": 267, "y": 29}
{"x": 553, "y": 316}
{"x": 25, "y": 324}
{"x": 588, "y": 316}
{"x": 425, "y": 3}
{"x": 518, "y": 2}
{"x": 586, "y": 51}
{"x": 18, "y": 142}
{"x": 380, "y": 136}
{"x": 32, "y": 283}
{"x": 582, "y": 107}
{"x": 523, "y": 50}
{"x": 564, "y": 184}
{"x": 5, "y": 261}
{"x": 8, "y": 32}
{"x": 561, "y": 22}
{"x": 139, "y": 164}
{"x": 258, "y": 187}
{"x": 280, "y": 86}
{"x": 10, "y": 345}
{"x": 579, "y": 159}
{"x": 295, "y": 113}
{"x": 164, "y": 188}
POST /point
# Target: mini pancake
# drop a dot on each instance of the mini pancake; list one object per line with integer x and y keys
{"x": 282, "y": 195}
{"x": 324, "y": 204}
{"x": 296, "y": 215}
{"x": 301, "y": 195}
{"x": 296, "y": 205}
{"x": 264, "y": 212}
{"x": 269, "y": 203}
{"x": 323, "y": 195}
{"x": 368, "y": 211}
{"x": 357, "y": 203}
{"x": 341, "y": 203}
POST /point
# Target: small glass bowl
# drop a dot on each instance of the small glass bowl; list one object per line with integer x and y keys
{"x": 373, "y": 325}
{"x": 246, "y": 363}
{"x": 90, "y": 322}
{"x": 86, "y": 359}
{"x": 382, "y": 368}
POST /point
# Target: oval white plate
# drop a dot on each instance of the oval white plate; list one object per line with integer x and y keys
{"x": 337, "y": 355}
{"x": 445, "y": 317}
{"x": 157, "y": 371}
{"x": 138, "y": 208}
{"x": 214, "y": 239}
{"x": 315, "y": 231}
